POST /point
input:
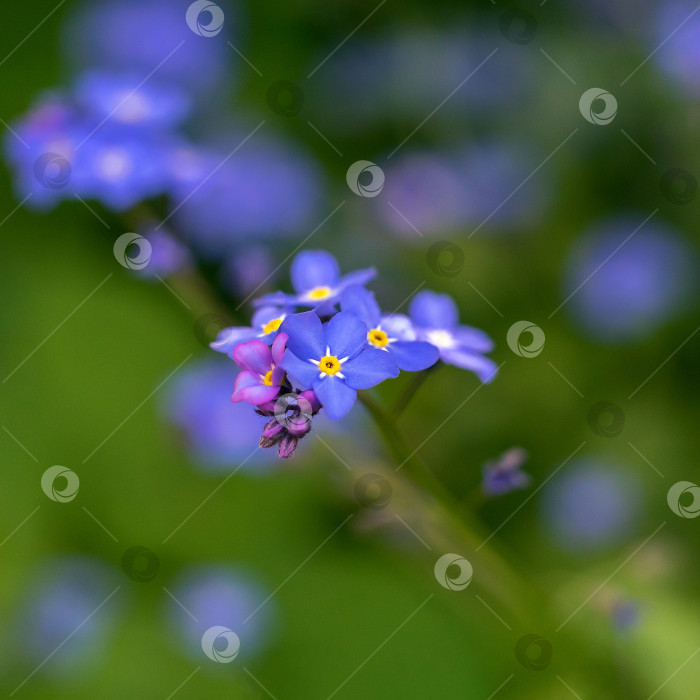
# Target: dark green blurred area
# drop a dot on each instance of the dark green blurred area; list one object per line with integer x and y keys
{"x": 343, "y": 607}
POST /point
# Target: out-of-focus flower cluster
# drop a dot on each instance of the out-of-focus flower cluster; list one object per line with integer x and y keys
{"x": 294, "y": 362}
{"x": 120, "y": 134}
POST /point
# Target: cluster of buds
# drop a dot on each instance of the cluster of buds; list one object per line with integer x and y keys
{"x": 292, "y": 414}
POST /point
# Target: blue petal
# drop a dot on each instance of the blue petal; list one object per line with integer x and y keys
{"x": 325, "y": 308}
{"x": 472, "y": 339}
{"x": 432, "y": 310}
{"x": 369, "y": 368}
{"x": 306, "y": 337}
{"x": 484, "y": 368}
{"x": 275, "y": 299}
{"x": 302, "y": 371}
{"x": 359, "y": 301}
{"x": 265, "y": 314}
{"x": 228, "y": 338}
{"x": 399, "y": 326}
{"x": 314, "y": 268}
{"x": 413, "y": 357}
{"x": 359, "y": 277}
{"x": 335, "y": 396}
{"x": 346, "y": 335}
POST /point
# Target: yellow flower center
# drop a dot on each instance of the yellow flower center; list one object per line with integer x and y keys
{"x": 272, "y": 326}
{"x": 378, "y": 338}
{"x": 329, "y": 364}
{"x": 267, "y": 379}
{"x": 319, "y": 293}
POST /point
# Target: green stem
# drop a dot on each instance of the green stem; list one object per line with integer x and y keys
{"x": 412, "y": 388}
{"x": 494, "y": 573}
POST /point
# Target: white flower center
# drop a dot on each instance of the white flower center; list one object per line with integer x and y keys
{"x": 441, "y": 339}
{"x": 114, "y": 164}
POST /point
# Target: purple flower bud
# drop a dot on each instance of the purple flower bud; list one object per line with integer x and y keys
{"x": 273, "y": 429}
{"x": 299, "y": 424}
{"x": 287, "y": 446}
{"x": 310, "y": 396}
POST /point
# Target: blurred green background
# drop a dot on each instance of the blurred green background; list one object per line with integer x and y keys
{"x": 342, "y": 612}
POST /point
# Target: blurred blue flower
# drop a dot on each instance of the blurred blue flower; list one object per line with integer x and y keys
{"x": 426, "y": 192}
{"x": 387, "y": 333}
{"x": 219, "y": 434}
{"x": 220, "y": 595}
{"x": 247, "y": 269}
{"x": 504, "y": 475}
{"x": 626, "y": 615}
{"x": 168, "y": 255}
{"x": 267, "y": 188}
{"x": 677, "y": 35}
{"x": 42, "y": 152}
{"x": 334, "y": 359}
{"x": 149, "y": 37}
{"x": 438, "y": 192}
{"x": 124, "y": 100}
{"x": 436, "y": 320}
{"x": 121, "y": 166}
{"x": 66, "y": 154}
{"x": 626, "y": 290}
{"x": 591, "y": 505}
{"x": 59, "y": 604}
